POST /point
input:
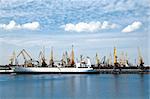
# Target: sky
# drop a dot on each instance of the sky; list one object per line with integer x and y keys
{"x": 90, "y": 25}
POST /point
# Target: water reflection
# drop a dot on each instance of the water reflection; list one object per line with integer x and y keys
{"x": 144, "y": 84}
{"x": 108, "y": 86}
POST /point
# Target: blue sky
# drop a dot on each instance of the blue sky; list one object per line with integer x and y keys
{"x": 90, "y": 25}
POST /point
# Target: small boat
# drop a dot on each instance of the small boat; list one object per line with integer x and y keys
{"x": 5, "y": 69}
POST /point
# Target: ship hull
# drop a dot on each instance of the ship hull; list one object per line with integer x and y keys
{"x": 53, "y": 70}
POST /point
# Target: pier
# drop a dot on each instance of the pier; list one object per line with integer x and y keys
{"x": 127, "y": 70}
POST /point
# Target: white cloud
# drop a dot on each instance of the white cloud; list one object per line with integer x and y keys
{"x": 31, "y": 26}
{"x": 12, "y": 25}
{"x": 134, "y": 26}
{"x": 89, "y": 27}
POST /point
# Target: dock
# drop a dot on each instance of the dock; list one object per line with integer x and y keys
{"x": 123, "y": 71}
{"x": 105, "y": 65}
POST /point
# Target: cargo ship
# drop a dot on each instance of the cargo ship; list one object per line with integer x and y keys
{"x": 80, "y": 67}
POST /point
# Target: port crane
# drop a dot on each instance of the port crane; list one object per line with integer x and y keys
{"x": 103, "y": 61}
{"x": 127, "y": 60}
{"x": 12, "y": 58}
{"x": 122, "y": 60}
{"x": 109, "y": 60}
{"x": 42, "y": 60}
{"x": 27, "y": 62}
{"x": 51, "y": 62}
{"x": 140, "y": 59}
{"x": 97, "y": 60}
{"x": 63, "y": 60}
{"x": 116, "y": 64}
{"x": 72, "y": 62}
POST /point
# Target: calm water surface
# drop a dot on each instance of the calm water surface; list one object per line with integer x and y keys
{"x": 99, "y": 86}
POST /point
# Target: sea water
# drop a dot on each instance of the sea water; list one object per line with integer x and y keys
{"x": 74, "y": 86}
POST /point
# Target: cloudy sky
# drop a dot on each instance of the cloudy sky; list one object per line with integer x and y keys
{"x": 90, "y": 25}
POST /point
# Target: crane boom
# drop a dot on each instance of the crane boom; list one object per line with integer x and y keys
{"x": 24, "y": 54}
{"x": 27, "y": 54}
{"x": 21, "y": 53}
